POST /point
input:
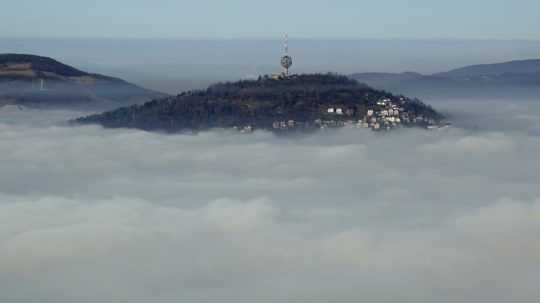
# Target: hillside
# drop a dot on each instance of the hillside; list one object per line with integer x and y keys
{"x": 514, "y": 79}
{"x": 36, "y": 81}
{"x": 305, "y": 102}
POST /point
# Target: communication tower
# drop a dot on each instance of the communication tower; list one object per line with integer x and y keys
{"x": 286, "y": 60}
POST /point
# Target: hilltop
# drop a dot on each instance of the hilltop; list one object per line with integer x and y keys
{"x": 37, "y": 81}
{"x": 300, "y": 102}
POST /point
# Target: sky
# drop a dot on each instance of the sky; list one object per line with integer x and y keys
{"x": 385, "y": 19}
{"x": 94, "y": 215}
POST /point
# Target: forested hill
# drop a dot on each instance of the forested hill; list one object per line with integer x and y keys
{"x": 297, "y": 102}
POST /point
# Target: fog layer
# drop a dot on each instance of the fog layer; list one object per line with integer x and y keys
{"x": 94, "y": 215}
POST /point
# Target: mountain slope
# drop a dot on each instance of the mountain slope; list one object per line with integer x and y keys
{"x": 44, "y": 82}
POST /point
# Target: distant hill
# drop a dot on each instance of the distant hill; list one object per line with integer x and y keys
{"x": 299, "y": 102}
{"x": 514, "y": 79}
{"x": 36, "y": 81}
{"x": 530, "y": 67}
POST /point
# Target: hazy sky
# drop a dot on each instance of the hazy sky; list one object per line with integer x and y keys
{"x": 489, "y": 19}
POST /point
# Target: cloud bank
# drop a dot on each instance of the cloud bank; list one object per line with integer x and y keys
{"x": 94, "y": 215}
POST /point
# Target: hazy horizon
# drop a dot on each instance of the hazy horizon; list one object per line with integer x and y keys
{"x": 175, "y": 65}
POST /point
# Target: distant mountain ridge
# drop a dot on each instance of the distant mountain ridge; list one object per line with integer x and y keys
{"x": 531, "y": 66}
{"x": 32, "y": 80}
{"x": 520, "y": 78}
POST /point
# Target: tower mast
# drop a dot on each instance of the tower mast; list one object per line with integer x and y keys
{"x": 286, "y": 46}
{"x": 286, "y": 60}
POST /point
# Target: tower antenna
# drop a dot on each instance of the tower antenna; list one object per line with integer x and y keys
{"x": 286, "y": 60}
{"x": 286, "y": 44}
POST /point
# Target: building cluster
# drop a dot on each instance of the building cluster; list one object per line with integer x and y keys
{"x": 244, "y": 129}
{"x": 284, "y": 124}
{"x": 386, "y": 114}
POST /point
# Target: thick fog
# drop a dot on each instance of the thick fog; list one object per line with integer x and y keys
{"x": 94, "y": 215}
{"x": 172, "y": 66}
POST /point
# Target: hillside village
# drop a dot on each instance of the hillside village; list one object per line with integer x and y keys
{"x": 385, "y": 115}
